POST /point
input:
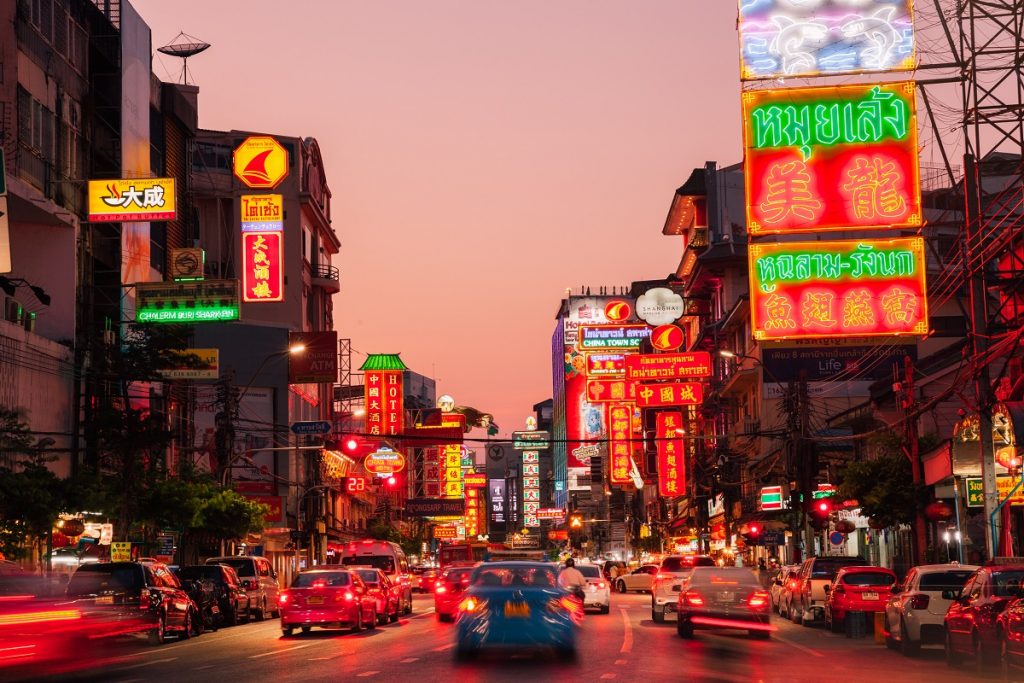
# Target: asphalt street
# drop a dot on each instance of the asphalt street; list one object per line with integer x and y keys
{"x": 624, "y": 645}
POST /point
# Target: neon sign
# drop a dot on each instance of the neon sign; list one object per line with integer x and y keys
{"x": 606, "y": 365}
{"x": 610, "y": 390}
{"x": 262, "y": 212}
{"x": 384, "y": 402}
{"x": 262, "y": 274}
{"x": 815, "y": 37}
{"x": 831, "y": 158}
{"x": 835, "y": 289}
{"x": 648, "y": 366}
{"x": 619, "y": 436}
{"x": 671, "y": 463}
{"x": 674, "y": 394}
{"x": 612, "y": 336}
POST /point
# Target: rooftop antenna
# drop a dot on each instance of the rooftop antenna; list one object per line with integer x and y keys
{"x": 183, "y": 45}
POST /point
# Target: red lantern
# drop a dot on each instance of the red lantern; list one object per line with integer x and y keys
{"x": 72, "y": 527}
{"x": 938, "y": 511}
{"x": 845, "y": 526}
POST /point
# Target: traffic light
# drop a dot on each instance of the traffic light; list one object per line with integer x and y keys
{"x": 354, "y": 446}
{"x": 576, "y": 521}
{"x": 752, "y": 534}
{"x": 821, "y": 509}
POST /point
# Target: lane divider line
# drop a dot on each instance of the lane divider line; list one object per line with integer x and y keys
{"x": 798, "y": 646}
{"x": 367, "y": 673}
{"x": 409, "y": 660}
{"x": 444, "y": 647}
{"x": 627, "y": 638}
{"x": 277, "y": 652}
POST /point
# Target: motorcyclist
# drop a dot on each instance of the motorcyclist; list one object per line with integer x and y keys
{"x": 572, "y": 579}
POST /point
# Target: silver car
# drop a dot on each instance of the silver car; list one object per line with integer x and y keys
{"x": 665, "y": 587}
{"x": 258, "y": 579}
{"x": 915, "y": 613}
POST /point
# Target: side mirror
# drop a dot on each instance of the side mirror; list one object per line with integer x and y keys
{"x": 828, "y": 588}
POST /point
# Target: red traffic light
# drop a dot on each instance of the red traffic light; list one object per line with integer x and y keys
{"x": 824, "y": 506}
{"x": 392, "y": 481}
{"x": 754, "y": 530}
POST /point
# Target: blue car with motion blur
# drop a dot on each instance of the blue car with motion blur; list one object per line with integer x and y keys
{"x": 516, "y": 605}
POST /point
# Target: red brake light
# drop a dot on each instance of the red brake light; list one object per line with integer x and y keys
{"x": 792, "y": 584}
{"x": 441, "y": 589}
{"x": 349, "y": 597}
{"x": 759, "y": 599}
{"x": 283, "y": 598}
{"x": 693, "y": 599}
{"x": 471, "y": 604}
{"x": 919, "y": 602}
{"x": 601, "y": 584}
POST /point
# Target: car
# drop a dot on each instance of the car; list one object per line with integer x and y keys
{"x": 449, "y": 591}
{"x": 857, "y": 589}
{"x": 1010, "y": 626}
{"x": 723, "y": 597}
{"x": 387, "y": 557}
{"x": 598, "y": 592}
{"x": 232, "y": 599}
{"x": 146, "y": 595}
{"x": 665, "y": 587}
{"x": 783, "y": 579}
{"x": 640, "y": 579}
{"x": 516, "y": 605}
{"x": 259, "y": 579}
{"x": 385, "y": 593}
{"x": 807, "y": 601}
{"x": 327, "y": 597}
{"x": 916, "y": 609}
{"x": 972, "y": 620}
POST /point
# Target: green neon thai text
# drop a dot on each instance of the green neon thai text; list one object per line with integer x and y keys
{"x": 865, "y": 263}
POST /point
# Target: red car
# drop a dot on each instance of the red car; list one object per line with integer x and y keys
{"x": 448, "y": 592}
{"x": 383, "y": 592}
{"x": 857, "y": 589}
{"x": 972, "y": 621}
{"x": 327, "y": 597}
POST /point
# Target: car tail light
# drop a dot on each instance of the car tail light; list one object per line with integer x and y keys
{"x": 472, "y": 604}
{"x": 693, "y": 599}
{"x": 564, "y": 603}
{"x": 441, "y": 589}
{"x": 759, "y": 599}
{"x": 602, "y": 584}
{"x": 348, "y": 596}
{"x": 918, "y": 602}
{"x": 661, "y": 577}
{"x": 148, "y": 599}
{"x": 283, "y": 599}
{"x": 792, "y": 584}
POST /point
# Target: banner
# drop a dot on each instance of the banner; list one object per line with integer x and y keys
{"x": 262, "y": 267}
{"x": 620, "y": 434}
{"x": 668, "y": 365}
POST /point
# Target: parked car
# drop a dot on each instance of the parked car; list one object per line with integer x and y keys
{"x": 972, "y": 625}
{"x": 807, "y": 602}
{"x": 451, "y": 585}
{"x": 327, "y": 597}
{"x": 387, "y": 557}
{"x": 667, "y": 582}
{"x": 723, "y": 597}
{"x": 640, "y": 579}
{"x": 1011, "y": 635}
{"x": 204, "y": 595}
{"x": 916, "y": 610}
{"x": 857, "y": 589}
{"x": 784, "y": 578}
{"x": 598, "y": 592}
{"x": 146, "y": 595}
{"x": 231, "y": 598}
{"x": 259, "y": 581}
{"x": 385, "y": 593}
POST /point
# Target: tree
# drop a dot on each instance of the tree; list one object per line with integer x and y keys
{"x": 884, "y": 488}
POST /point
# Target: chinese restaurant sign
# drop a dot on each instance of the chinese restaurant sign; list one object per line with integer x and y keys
{"x": 818, "y": 37}
{"x": 384, "y": 410}
{"x": 671, "y": 465}
{"x": 451, "y": 458}
{"x": 831, "y": 158}
{"x": 472, "y": 512}
{"x": 260, "y": 162}
{"x": 610, "y": 390}
{"x": 834, "y": 289}
{"x": 606, "y": 365}
{"x": 203, "y": 301}
{"x": 132, "y": 199}
{"x": 668, "y": 365}
{"x": 262, "y": 269}
{"x": 612, "y": 336}
{"x": 620, "y": 442}
{"x": 531, "y": 488}
{"x": 667, "y": 395}
{"x": 262, "y": 212}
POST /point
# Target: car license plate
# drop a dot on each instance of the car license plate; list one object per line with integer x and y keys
{"x": 517, "y": 610}
{"x": 726, "y": 596}
{"x": 870, "y": 596}
{"x": 316, "y": 601}
{"x": 105, "y": 600}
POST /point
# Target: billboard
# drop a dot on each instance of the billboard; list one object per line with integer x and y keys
{"x": 593, "y": 337}
{"x": 787, "y": 38}
{"x": 654, "y": 366}
{"x": 132, "y": 199}
{"x": 842, "y": 288}
{"x": 317, "y": 363}
{"x": 620, "y": 433}
{"x": 262, "y": 267}
{"x": 671, "y": 460}
{"x": 584, "y": 421}
{"x": 384, "y": 402}
{"x": 187, "y": 302}
{"x": 262, "y": 213}
{"x": 195, "y": 364}
{"x": 260, "y": 162}
{"x": 856, "y": 366}
{"x": 610, "y": 390}
{"x": 831, "y": 158}
{"x": 606, "y": 365}
{"x": 671, "y": 394}
{"x": 592, "y": 310}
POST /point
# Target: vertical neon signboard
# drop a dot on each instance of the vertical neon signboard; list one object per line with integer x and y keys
{"x": 838, "y": 289}
{"x": 620, "y": 432}
{"x": 780, "y": 38}
{"x": 384, "y": 409}
{"x": 452, "y": 458}
{"x": 531, "y": 488}
{"x": 262, "y": 267}
{"x": 671, "y": 462}
{"x": 831, "y": 158}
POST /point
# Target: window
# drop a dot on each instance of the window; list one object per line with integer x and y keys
{"x": 944, "y": 581}
{"x": 869, "y": 579}
{"x": 317, "y": 579}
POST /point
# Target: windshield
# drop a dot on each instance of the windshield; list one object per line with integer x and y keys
{"x": 675, "y": 564}
{"x": 827, "y": 569}
{"x": 385, "y": 563}
{"x": 242, "y": 566}
{"x": 209, "y": 573}
{"x": 321, "y": 579}
{"x": 1007, "y": 584}
{"x": 724, "y": 576}
{"x": 98, "y": 579}
{"x": 590, "y": 571}
{"x": 457, "y": 575}
{"x": 515, "y": 577}
{"x": 869, "y": 579}
{"x": 368, "y": 575}
{"x": 944, "y": 581}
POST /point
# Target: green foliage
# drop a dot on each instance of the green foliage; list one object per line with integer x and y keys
{"x": 883, "y": 485}
{"x": 651, "y": 544}
{"x": 382, "y": 531}
{"x": 229, "y": 515}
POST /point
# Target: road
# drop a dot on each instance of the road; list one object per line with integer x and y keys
{"x": 624, "y": 645}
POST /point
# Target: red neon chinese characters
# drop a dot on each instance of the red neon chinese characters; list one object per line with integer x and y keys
{"x": 671, "y": 458}
{"x": 384, "y": 408}
{"x": 262, "y": 274}
{"x": 620, "y": 432}
{"x": 817, "y": 309}
{"x": 788, "y": 195}
{"x": 875, "y": 189}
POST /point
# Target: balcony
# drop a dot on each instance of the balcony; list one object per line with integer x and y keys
{"x": 326, "y": 276}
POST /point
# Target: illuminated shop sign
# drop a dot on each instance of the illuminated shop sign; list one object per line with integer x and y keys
{"x": 671, "y": 460}
{"x": 667, "y": 395}
{"x": 262, "y": 267}
{"x": 816, "y": 37}
{"x": 204, "y": 301}
{"x": 606, "y": 365}
{"x": 612, "y": 336}
{"x": 384, "y": 409}
{"x": 451, "y": 458}
{"x": 260, "y": 162}
{"x": 667, "y": 337}
{"x": 132, "y": 200}
{"x": 832, "y": 158}
{"x": 531, "y": 488}
{"x": 610, "y": 390}
{"x": 620, "y": 432}
{"x": 842, "y": 288}
{"x": 262, "y": 212}
{"x": 647, "y": 366}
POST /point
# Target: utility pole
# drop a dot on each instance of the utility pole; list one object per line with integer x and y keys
{"x": 979, "y": 347}
{"x": 913, "y": 451}
{"x": 805, "y": 461}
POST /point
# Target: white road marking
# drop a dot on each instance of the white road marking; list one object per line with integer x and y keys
{"x": 155, "y": 661}
{"x": 607, "y": 677}
{"x": 444, "y": 647}
{"x": 409, "y": 660}
{"x": 620, "y": 661}
{"x": 627, "y": 638}
{"x": 798, "y": 646}
{"x": 425, "y": 613}
{"x": 277, "y": 652}
{"x": 208, "y": 666}
{"x": 367, "y": 673}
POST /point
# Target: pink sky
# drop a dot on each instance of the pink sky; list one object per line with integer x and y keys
{"x": 483, "y": 156}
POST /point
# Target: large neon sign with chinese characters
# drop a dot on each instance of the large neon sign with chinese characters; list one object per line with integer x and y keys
{"x": 671, "y": 459}
{"x": 620, "y": 432}
{"x": 610, "y": 390}
{"x": 531, "y": 488}
{"x": 832, "y": 158}
{"x": 384, "y": 402}
{"x": 835, "y": 289}
{"x": 781, "y": 38}
{"x": 263, "y": 272}
{"x": 671, "y": 394}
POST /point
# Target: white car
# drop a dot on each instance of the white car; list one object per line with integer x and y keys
{"x": 914, "y": 615}
{"x": 784, "y": 582}
{"x": 665, "y": 588}
{"x": 640, "y": 579}
{"x": 598, "y": 593}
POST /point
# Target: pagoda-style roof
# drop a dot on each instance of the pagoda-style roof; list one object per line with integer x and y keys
{"x": 383, "y": 361}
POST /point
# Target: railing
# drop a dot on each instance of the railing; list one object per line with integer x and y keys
{"x": 751, "y": 426}
{"x": 326, "y": 272}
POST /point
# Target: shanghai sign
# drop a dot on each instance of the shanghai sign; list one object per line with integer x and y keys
{"x": 835, "y": 289}
{"x": 668, "y": 365}
{"x": 262, "y": 272}
{"x": 132, "y": 199}
{"x": 671, "y": 466}
{"x": 785, "y": 38}
{"x": 667, "y": 395}
{"x": 831, "y": 158}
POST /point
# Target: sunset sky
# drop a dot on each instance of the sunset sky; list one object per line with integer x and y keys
{"x": 483, "y": 156}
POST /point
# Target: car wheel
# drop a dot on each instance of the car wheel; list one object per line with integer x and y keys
{"x": 382, "y": 618}
{"x": 231, "y": 615}
{"x": 261, "y": 611}
{"x": 684, "y": 629}
{"x": 620, "y": 586}
{"x": 834, "y": 626}
{"x": 658, "y": 617}
{"x": 158, "y": 634}
{"x": 793, "y": 614}
{"x": 373, "y": 620}
{"x": 359, "y": 623}
{"x": 287, "y": 630}
{"x": 953, "y": 657}
{"x": 246, "y": 615}
{"x": 307, "y": 629}
{"x": 805, "y": 619}
{"x": 186, "y": 629}
{"x": 908, "y": 648}
{"x": 605, "y": 609}
{"x": 394, "y": 615}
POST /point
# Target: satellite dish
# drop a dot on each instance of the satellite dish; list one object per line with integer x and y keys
{"x": 184, "y": 46}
